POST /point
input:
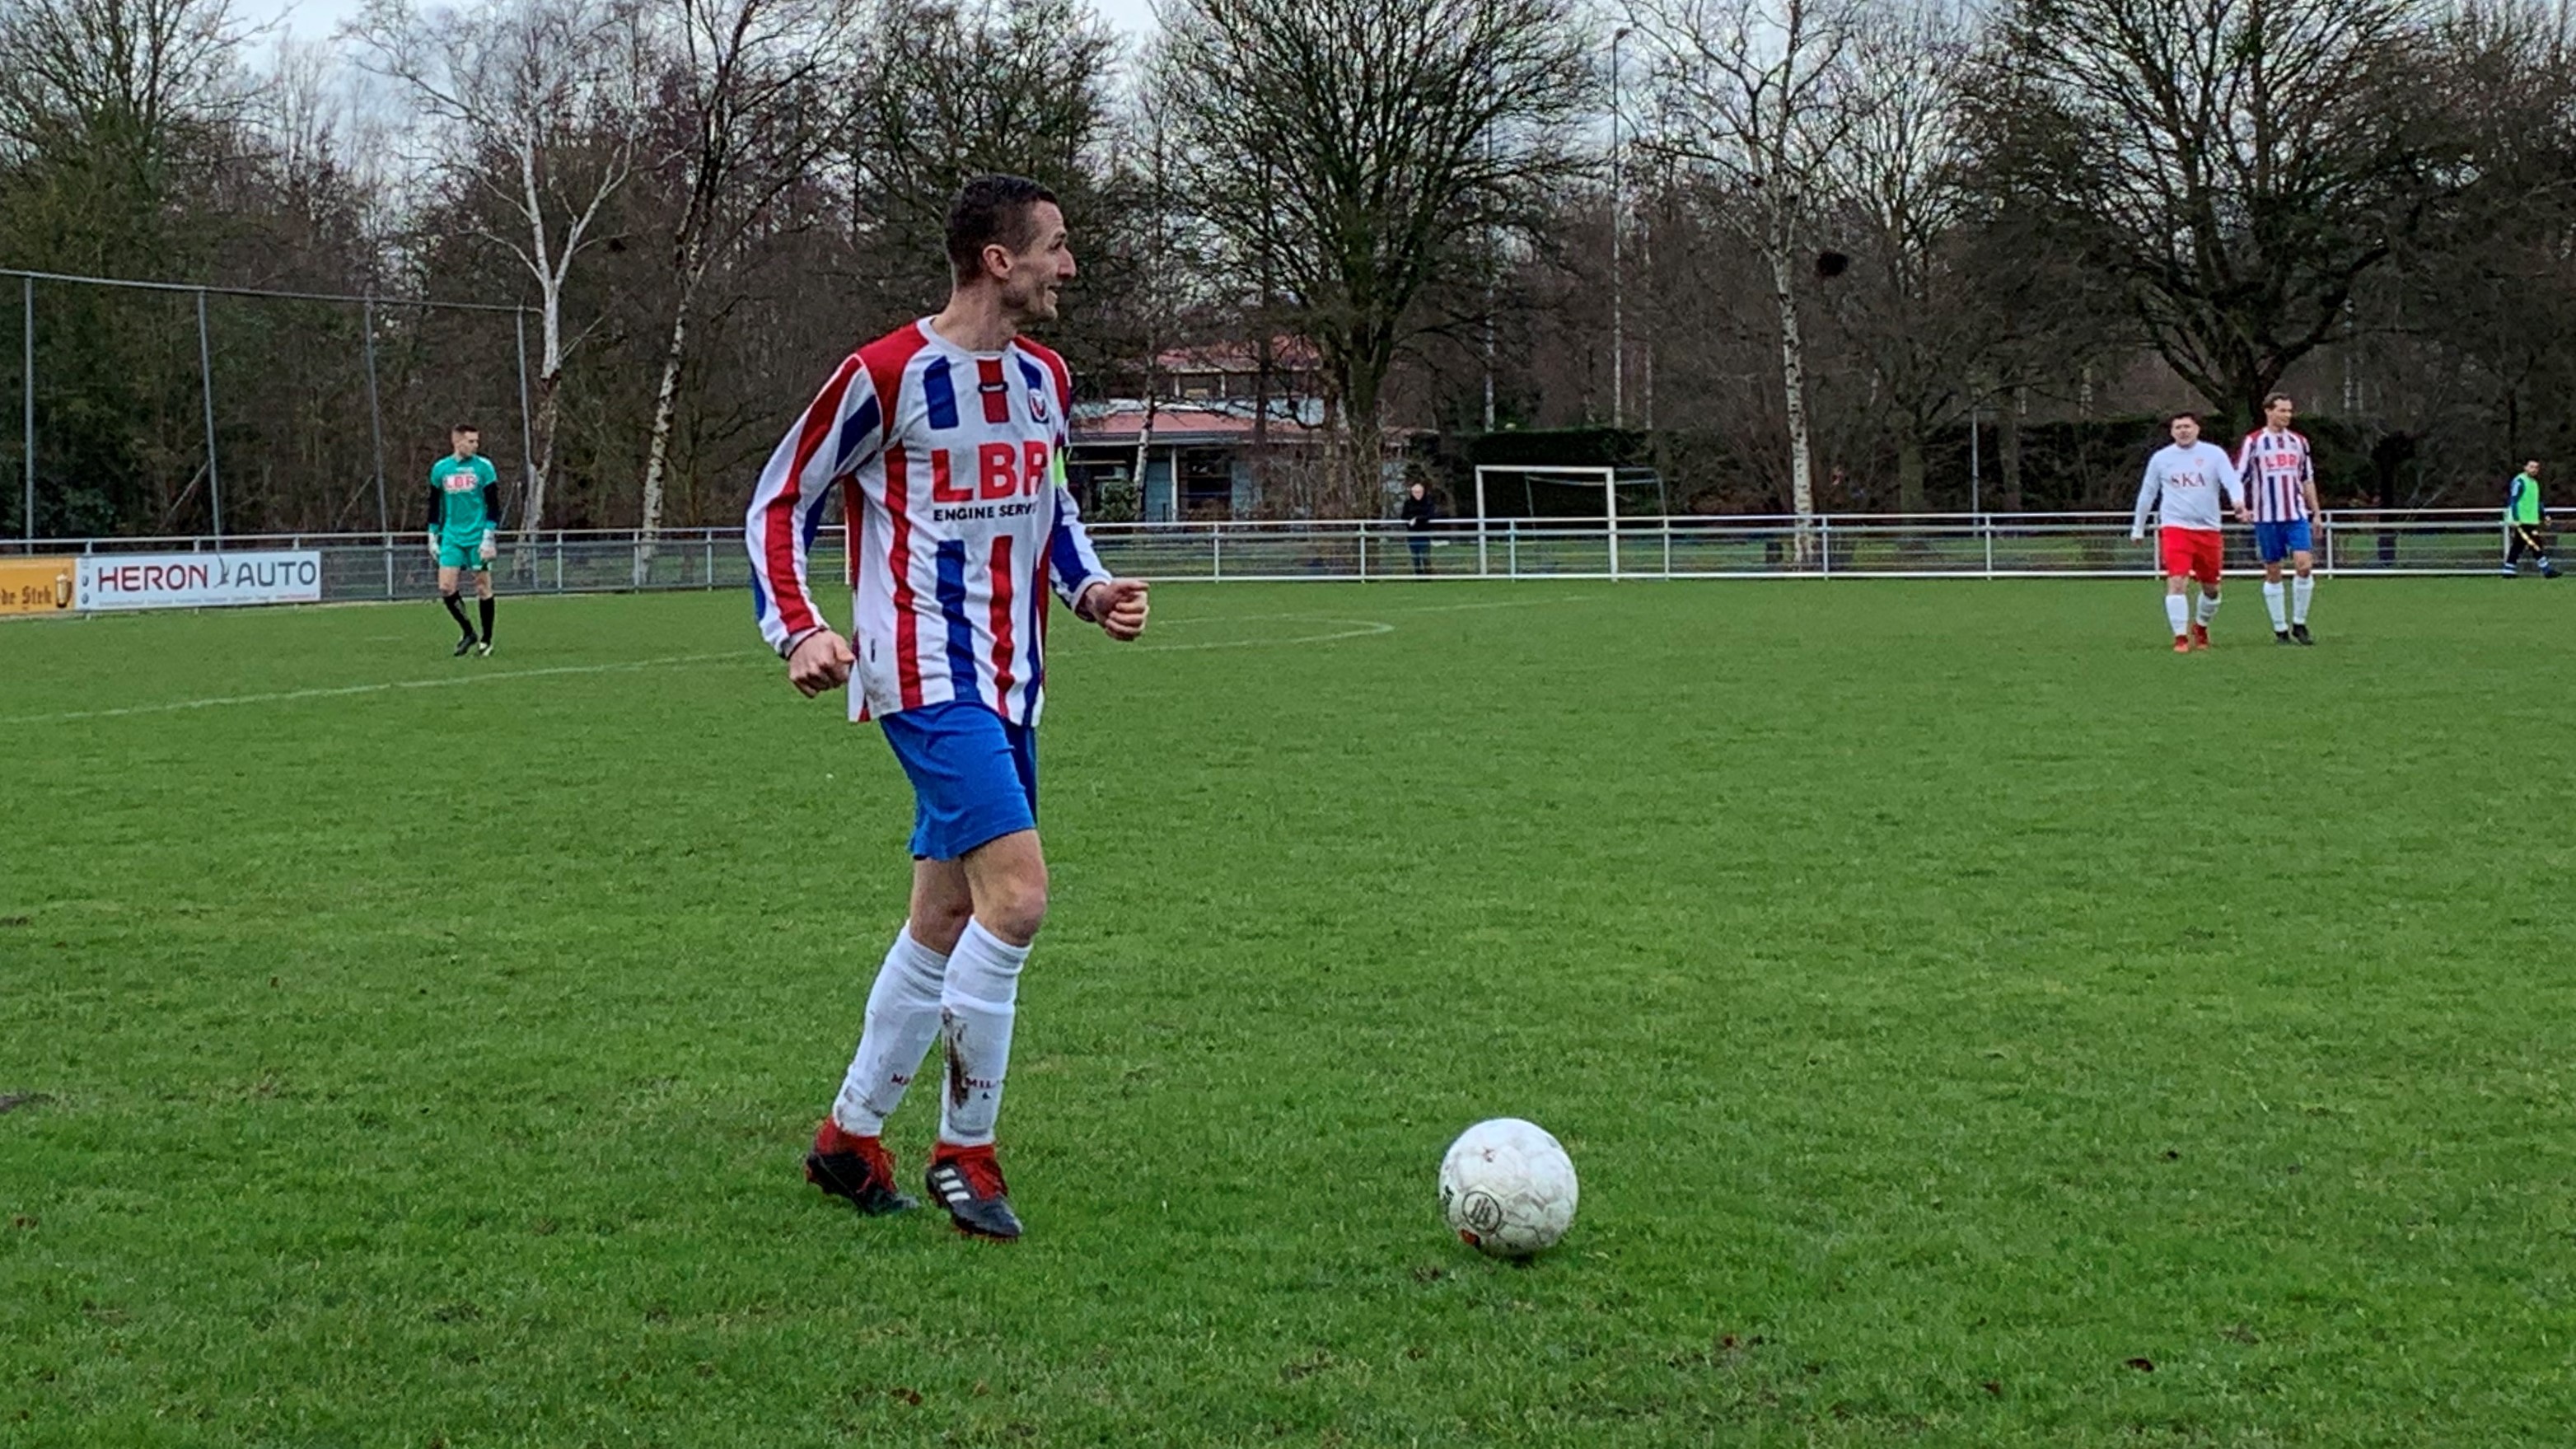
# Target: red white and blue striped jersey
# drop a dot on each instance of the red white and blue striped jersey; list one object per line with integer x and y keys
{"x": 957, "y": 517}
{"x": 2276, "y": 467}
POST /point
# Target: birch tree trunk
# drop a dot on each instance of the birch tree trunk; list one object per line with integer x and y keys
{"x": 550, "y": 271}
{"x": 666, "y": 402}
{"x": 1793, "y": 386}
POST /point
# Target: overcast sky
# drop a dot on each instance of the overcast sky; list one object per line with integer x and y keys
{"x": 316, "y": 19}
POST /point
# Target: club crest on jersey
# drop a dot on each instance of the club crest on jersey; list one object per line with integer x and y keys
{"x": 1037, "y": 405}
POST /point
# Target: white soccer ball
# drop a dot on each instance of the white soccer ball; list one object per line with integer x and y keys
{"x": 1507, "y": 1188}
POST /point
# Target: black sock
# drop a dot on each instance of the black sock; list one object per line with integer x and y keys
{"x": 456, "y": 610}
{"x": 487, "y": 621}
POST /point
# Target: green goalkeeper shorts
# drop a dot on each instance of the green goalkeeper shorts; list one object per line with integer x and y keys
{"x": 453, "y": 555}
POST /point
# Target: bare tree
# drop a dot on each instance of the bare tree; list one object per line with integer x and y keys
{"x": 1756, "y": 96}
{"x": 2458, "y": 359}
{"x": 149, "y": 73}
{"x": 535, "y": 105}
{"x": 2239, "y": 164}
{"x": 752, "y": 94}
{"x": 119, "y": 105}
{"x": 1041, "y": 106}
{"x": 1897, "y": 185}
{"x": 1040, "y": 102}
{"x": 1350, "y": 153}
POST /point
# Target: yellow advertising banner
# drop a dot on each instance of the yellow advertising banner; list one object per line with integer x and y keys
{"x": 38, "y": 585}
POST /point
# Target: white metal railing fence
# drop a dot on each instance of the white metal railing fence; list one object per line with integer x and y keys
{"x": 1960, "y": 546}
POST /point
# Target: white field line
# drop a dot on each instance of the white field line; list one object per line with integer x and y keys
{"x": 1492, "y": 604}
{"x": 1348, "y": 629}
{"x": 288, "y": 695}
{"x": 1352, "y": 629}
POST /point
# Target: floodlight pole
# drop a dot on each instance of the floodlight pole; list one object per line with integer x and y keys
{"x": 206, "y": 392}
{"x": 375, "y": 415}
{"x": 376, "y": 431}
{"x": 27, "y": 385}
{"x": 1493, "y": 261}
{"x": 1618, "y": 201}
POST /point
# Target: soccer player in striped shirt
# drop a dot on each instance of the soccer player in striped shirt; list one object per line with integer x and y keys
{"x": 947, "y": 436}
{"x": 2280, "y": 474}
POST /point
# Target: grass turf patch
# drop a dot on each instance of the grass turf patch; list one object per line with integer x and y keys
{"x": 1973, "y": 1024}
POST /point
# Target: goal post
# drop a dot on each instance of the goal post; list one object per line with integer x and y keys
{"x": 1520, "y": 491}
{"x": 1565, "y": 499}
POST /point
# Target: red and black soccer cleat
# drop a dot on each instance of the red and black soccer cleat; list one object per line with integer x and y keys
{"x": 2200, "y": 636}
{"x": 2182, "y": 643}
{"x": 968, "y": 1182}
{"x": 856, "y": 1170}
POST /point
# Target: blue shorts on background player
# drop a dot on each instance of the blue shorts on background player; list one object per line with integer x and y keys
{"x": 2274, "y": 542}
{"x": 974, "y": 775}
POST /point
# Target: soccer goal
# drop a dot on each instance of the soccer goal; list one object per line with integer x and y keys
{"x": 1563, "y": 519}
{"x": 1511, "y": 490}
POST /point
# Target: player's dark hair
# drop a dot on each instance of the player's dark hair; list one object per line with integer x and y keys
{"x": 989, "y": 211}
{"x": 464, "y": 428}
{"x": 2173, "y": 418}
{"x": 2276, "y": 398}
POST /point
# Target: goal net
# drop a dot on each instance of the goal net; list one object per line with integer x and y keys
{"x": 1586, "y": 494}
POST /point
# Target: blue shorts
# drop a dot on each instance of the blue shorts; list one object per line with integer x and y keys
{"x": 2274, "y": 542}
{"x": 974, "y": 775}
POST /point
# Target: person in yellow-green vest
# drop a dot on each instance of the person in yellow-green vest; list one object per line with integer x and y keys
{"x": 2522, "y": 523}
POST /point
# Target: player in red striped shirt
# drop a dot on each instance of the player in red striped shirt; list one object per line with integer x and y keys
{"x": 947, "y": 436}
{"x": 2280, "y": 474}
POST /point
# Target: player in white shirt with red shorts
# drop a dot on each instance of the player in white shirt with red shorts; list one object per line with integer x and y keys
{"x": 2280, "y": 476}
{"x": 947, "y": 438}
{"x": 2183, "y": 484}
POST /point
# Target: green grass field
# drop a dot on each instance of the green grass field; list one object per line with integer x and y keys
{"x": 396, "y": 1065}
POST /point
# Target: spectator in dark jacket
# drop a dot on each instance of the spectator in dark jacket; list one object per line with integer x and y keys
{"x": 1419, "y": 511}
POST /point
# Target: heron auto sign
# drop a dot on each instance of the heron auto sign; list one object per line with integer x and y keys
{"x": 199, "y": 580}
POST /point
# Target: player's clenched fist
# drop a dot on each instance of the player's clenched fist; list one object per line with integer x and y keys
{"x": 1119, "y": 608}
{"x": 820, "y": 661}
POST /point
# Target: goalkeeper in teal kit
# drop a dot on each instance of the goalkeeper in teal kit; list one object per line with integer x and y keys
{"x": 464, "y": 528}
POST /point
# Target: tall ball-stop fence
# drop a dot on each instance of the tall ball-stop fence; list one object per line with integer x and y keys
{"x": 171, "y": 409}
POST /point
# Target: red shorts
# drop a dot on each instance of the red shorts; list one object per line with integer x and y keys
{"x": 2193, "y": 551}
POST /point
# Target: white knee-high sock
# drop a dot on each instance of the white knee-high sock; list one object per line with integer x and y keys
{"x": 976, "y": 1009}
{"x": 2275, "y": 600}
{"x": 2208, "y": 607}
{"x": 903, "y": 1018}
{"x": 2302, "y": 589}
{"x": 2178, "y": 609}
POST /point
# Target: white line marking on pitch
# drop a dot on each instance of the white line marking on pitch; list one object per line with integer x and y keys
{"x": 1492, "y": 604}
{"x": 1358, "y": 626}
{"x": 1354, "y": 629}
{"x": 1357, "y": 629}
{"x": 286, "y": 695}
